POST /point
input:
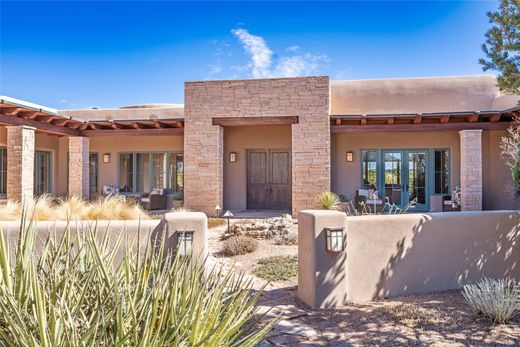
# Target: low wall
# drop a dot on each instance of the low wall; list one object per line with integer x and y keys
{"x": 387, "y": 256}
{"x": 136, "y": 233}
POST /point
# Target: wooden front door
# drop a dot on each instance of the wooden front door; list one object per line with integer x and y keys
{"x": 269, "y": 179}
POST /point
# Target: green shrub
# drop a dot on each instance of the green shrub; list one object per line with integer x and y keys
{"x": 179, "y": 196}
{"x": 495, "y": 299}
{"x": 515, "y": 171}
{"x": 236, "y": 245}
{"x": 74, "y": 293}
{"x": 277, "y": 268}
{"x": 328, "y": 200}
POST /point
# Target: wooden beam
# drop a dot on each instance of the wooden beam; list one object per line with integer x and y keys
{"x": 83, "y": 126}
{"x": 93, "y": 126}
{"x": 135, "y": 125}
{"x": 417, "y": 119}
{"x": 157, "y": 125}
{"x": 364, "y": 121}
{"x": 390, "y": 121}
{"x": 134, "y": 132}
{"x": 243, "y": 121}
{"x": 495, "y": 118}
{"x": 473, "y": 118}
{"x": 338, "y": 121}
{"x": 49, "y": 119}
{"x": 14, "y": 112}
{"x": 40, "y": 126}
{"x": 445, "y": 119}
{"x": 421, "y": 127}
{"x": 62, "y": 122}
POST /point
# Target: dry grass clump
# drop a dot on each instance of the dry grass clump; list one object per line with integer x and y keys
{"x": 236, "y": 245}
{"x": 215, "y": 222}
{"x": 48, "y": 208}
{"x": 277, "y": 268}
{"x": 496, "y": 300}
{"x": 413, "y": 315}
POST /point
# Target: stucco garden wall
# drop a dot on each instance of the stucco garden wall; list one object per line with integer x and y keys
{"x": 306, "y": 98}
{"x": 387, "y": 256}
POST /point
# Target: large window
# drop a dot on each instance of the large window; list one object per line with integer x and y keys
{"x": 369, "y": 168}
{"x": 442, "y": 171}
{"x": 3, "y": 171}
{"x": 93, "y": 173}
{"x": 142, "y": 172}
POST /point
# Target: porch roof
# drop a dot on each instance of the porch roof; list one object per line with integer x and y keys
{"x": 432, "y": 121}
{"x": 47, "y": 120}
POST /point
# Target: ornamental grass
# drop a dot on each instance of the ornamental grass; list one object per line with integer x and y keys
{"x": 73, "y": 292}
{"x": 49, "y": 208}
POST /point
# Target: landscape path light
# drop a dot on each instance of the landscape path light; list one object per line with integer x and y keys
{"x": 228, "y": 215}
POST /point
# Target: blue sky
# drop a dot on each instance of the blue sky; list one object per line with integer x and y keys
{"x": 108, "y": 54}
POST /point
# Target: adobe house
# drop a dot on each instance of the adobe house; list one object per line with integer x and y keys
{"x": 273, "y": 144}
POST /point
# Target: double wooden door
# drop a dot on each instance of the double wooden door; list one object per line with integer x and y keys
{"x": 269, "y": 179}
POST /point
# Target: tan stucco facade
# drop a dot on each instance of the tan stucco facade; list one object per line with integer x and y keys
{"x": 387, "y": 256}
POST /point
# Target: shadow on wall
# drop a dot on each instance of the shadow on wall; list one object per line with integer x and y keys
{"x": 442, "y": 251}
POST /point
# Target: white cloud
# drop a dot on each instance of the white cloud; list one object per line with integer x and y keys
{"x": 260, "y": 53}
{"x": 261, "y": 64}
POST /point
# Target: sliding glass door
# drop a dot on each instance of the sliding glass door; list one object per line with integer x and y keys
{"x": 42, "y": 172}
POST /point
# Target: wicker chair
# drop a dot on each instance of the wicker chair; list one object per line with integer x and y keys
{"x": 156, "y": 200}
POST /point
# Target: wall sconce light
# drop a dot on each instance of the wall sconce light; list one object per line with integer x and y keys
{"x": 334, "y": 239}
{"x": 232, "y": 157}
{"x": 350, "y": 156}
{"x": 184, "y": 242}
{"x": 106, "y": 158}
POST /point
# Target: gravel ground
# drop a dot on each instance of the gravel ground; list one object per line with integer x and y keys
{"x": 440, "y": 319}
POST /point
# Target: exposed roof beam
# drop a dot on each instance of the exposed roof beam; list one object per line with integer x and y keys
{"x": 417, "y": 119}
{"x": 390, "y": 121}
{"x": 421, "y": 127}
{"x": 445, "y": 119}
{"x": 41, "y": 126}
{"x": 495, "y": 118}
{"x": 83, "y": 126}
{"x": 133, "y": 132}
{"x": 338, "y": 121}
{"x": 473, "y": 118}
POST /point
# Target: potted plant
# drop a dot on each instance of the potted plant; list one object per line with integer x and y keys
{"x": 178, "y": 200}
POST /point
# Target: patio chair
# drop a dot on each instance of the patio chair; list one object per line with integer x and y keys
{"x": 155, "y": 200}
{"x": 368, "y": 197}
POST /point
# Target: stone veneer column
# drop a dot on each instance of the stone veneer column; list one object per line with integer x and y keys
{"x": 471, "y": 170}
{"x": 79, "y": 166}
{"x": 20, "y": 162}
{"x": 305, "y": 97}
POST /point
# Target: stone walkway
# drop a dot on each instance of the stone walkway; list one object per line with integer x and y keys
{"x": 278, "y": 300}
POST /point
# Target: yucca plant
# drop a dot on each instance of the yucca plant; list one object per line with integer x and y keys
{"x": 74, "y": 292}
{"x": 495, "y": 299}
{"x": 328, "y": 200}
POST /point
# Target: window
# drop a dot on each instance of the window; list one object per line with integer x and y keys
{"x": 142, "y": 172}
{"x": 93, "y": 173}
{"x": 442, "y": 171}
{"x": 3, "y": 170}
{"x": 369, "y": 169}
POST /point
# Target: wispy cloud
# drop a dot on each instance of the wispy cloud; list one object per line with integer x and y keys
{"x": 257, "y": 48}
{"x": 262, "y": 64}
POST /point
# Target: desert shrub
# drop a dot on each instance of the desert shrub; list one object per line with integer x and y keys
{"x": 414, "y": 315}
{"x": 215, "y": 222}
{"x": 74, "y": 293}
{"x": 236, "y": 245}
{"x": 495, "y": 299}
{"x": 47, "y": 207}
{"x": 178, "y": 196}
{"x": 277, "y": 268}
{"x": 290, "y": 238}
{"x": 328, "y": 200}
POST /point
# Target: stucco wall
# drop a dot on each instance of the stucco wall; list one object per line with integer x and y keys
{"x": 394, "y": 255}
{"x": 239, "y": 140}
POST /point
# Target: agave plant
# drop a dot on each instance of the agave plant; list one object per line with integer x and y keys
{"x": 75, "y": 292}
{"x": 495, "y": 299}
{"x": 328, "y": 200}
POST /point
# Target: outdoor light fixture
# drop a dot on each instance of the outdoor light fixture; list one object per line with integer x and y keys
{"x": 232, "y": 157}
{"x": 334, "y": 239}
{"x": 184, "y": 242}
{"x": 217, "y": 209}
{"x": 228, "y": 215}
{"x": 350, "y": 156}
{"x": 106, "y": 158}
